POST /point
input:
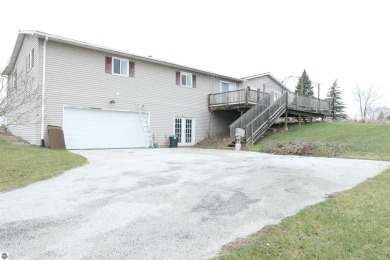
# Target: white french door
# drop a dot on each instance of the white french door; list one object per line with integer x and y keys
{"x": 185, "y": 129}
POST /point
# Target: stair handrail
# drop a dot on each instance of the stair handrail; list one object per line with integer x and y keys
{"x": 267, "y": 117}
{"x": 248, "y": 116}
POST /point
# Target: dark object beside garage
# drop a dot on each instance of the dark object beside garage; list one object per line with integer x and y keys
{"x": 56, "y": 137}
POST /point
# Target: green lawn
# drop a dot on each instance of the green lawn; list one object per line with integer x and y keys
{"x": 350, "y": 225}
{"x": 369, "y": 141}
{"x": 21, "y": 165}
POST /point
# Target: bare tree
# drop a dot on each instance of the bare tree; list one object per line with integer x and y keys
{"x": 382, "y": 112}
{"x": 372, "y": 113}
{"x": 19, "y": 99}
{"x": 366, "y": 99}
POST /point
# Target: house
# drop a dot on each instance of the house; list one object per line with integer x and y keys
{"x": 101, "y": 97}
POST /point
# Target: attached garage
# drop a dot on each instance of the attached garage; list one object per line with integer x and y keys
{"x": 99, "y": 129}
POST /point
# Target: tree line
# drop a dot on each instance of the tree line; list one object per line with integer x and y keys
{"x": 365, "y": 97}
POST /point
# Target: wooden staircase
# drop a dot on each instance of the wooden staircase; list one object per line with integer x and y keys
{"x": 257, "y": 120}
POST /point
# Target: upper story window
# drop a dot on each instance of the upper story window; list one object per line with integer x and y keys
{"x": 185, "y": 79}
{"x": 30, "y": 60}
{"x": 15, "y": 79}
{"x": 120, "y": 67}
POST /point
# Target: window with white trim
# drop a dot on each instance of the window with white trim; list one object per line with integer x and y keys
{"x": 30, "y": 60}
{"x": 277, "y": 95}
{"x": 186, "y": 79}
{"x": 120, "y": 67}
{"x": 227, "y": 86}
{"x": 15, "y": 79}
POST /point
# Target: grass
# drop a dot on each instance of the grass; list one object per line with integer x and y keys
{"x": 369, "y": 141}
{"x": 350, "y": 225}
{"x": 22, "y": 164}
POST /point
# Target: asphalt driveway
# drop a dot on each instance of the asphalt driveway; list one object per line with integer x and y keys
{"x": 165, "y": 203}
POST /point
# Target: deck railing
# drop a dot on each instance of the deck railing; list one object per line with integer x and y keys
{"x": 244, "y": 97}
{"x": 248, "y": 97}
{"x": 308, "y": 103}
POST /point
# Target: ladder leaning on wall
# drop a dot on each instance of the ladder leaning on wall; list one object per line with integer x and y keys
{"x": 145, "y": 126}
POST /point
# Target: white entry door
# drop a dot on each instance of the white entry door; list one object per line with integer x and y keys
{"x": 185, "y": 129}
{"x": 97, "y": 129}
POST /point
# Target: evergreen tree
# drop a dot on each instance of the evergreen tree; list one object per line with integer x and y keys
{"x": 304, "y": 85}
{"x": 336, "y": 105}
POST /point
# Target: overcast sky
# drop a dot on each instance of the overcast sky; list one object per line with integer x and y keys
{"x": 344, "y": 40}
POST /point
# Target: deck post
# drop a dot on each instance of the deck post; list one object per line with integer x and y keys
{"x": 258, "y": 96}
{"x": 299, "y": 117}
{"x": 252, "y": 133}
{"x": 227, "y": 98}
{"x": 286, "y": 118}
{"x": 296, "y": 97}
{"x": 268, "y": 116}
{"x": 309, "y": 103}
{"x": 319, "y": 105}
{"x": 247, "y": 93}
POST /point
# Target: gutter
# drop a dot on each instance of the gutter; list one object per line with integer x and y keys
{"x": 43, "y": 92}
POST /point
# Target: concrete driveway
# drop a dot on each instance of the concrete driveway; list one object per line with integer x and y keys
{"x": 165, "y": 203}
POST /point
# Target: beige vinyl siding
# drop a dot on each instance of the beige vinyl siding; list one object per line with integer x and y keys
{"x": 76, "y": 77}
{"x": 27, "y": 130}
{"x": 264, "y": 83}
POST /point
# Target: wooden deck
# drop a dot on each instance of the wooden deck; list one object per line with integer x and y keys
{"x": 236, "y": 99}
{"x": 262, "y": 112}
{"x": 247, "y": 98}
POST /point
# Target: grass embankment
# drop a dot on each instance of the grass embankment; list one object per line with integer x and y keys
{"x": 22, "y": 164}
{"x": 350, "y": 225}
{"x": 369, "y": 141}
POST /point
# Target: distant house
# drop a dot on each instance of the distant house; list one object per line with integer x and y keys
{"x": 102, "y": 97}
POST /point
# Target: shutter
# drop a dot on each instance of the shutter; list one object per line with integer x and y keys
{"x": 32, "y": 58}
{"x": 108, "y": 65}
{"x": 131, "y": 69}
{"x": 194, "y": 81}
{"x": 178, "y": 78}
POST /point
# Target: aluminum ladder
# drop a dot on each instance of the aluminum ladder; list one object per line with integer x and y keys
{"x": 145, "y": 126}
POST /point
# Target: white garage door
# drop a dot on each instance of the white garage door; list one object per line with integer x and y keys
{"x": 96, "y": 128}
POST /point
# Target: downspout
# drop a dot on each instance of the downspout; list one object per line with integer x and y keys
{"x": 43, "y": 92}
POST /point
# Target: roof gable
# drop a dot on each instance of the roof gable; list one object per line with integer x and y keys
{"x": 267, "y": 74}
